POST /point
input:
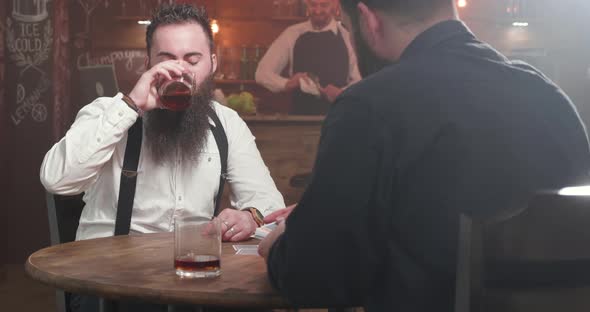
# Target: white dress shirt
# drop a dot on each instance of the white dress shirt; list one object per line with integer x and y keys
{"x": 280, "y": 55}
{"x": 90, "y": 156}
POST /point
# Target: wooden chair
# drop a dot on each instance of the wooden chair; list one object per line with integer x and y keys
{"x": 537, "y": 260}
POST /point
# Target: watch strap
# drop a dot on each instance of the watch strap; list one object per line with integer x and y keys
{"x": 256, "y": 215}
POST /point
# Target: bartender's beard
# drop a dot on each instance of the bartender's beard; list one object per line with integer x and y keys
{"x": 368, "y": 62}
{"x": 183, "y": 134}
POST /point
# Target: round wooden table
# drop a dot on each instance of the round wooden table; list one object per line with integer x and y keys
{"x": 141, "y": 267}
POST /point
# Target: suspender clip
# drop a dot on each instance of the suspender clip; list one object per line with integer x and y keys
{"x": 129, "y": 173}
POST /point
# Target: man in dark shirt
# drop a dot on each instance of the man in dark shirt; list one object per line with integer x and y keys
{"x": 450, "y": 126}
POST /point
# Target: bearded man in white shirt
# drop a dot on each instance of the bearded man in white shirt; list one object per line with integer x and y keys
{"x": 179, "y": 164}
{"x": 316, "y": 50}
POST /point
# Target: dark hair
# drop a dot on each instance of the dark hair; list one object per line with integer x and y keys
{"x": 179, "y": 14}
{"x": 417, "y": 10}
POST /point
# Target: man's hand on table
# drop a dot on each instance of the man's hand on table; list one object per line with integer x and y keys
{"x": 236, "y": 225}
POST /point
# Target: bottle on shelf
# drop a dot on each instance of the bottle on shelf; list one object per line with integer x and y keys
{"x": 302, "y": 8}
{"x": 124, "y": 8}
{"x": 292, "y": 8}
{"x": 231, "y": 63}
{"x": 220, "y": 74}
{"x": 277, "y": 8}
{"x": 244, "y": 64}
{"x": 254, "y": 62}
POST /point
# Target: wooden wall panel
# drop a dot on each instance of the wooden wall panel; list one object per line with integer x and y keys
{"x": 288, "y": 148}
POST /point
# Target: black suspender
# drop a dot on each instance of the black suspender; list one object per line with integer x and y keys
{"x": 128, "y": 178}
{"x": 131, "y": 161}
{"x": 222, "y": 146}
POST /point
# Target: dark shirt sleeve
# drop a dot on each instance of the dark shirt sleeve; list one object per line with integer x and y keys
{"x": 326, "y": 255}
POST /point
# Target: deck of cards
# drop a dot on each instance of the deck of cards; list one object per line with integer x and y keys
{"x": 262, "y": 231}
{"x": 246, "y": 249}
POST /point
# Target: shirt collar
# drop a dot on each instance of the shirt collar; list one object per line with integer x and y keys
{"x": 333, "y": 26}
{"x": 435, "y": 35}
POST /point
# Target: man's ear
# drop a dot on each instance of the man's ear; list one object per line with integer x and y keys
{"x": 213, "y": 62}
{"x": 372, "y": 28}
{"x": 146, "y": 62}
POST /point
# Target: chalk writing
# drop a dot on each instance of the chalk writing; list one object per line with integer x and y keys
{"x": 28, "y": 102}
{"x": 129, "y": 57}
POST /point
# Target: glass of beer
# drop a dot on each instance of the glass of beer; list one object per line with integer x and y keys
{"x": 197, "y": 247}
{"x": 175, "y": 94}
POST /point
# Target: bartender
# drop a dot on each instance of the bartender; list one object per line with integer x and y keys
{"x": 316, "y": 55}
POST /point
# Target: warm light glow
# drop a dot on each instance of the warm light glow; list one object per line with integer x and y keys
{"x": 520, "y": 24}
{"x": 214, "y": 26}
{"x": 575, "y": 191}
{"x": 144, "y": 22}
{"x": 461, "y": 3}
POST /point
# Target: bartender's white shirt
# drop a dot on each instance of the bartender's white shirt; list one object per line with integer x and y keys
{"x": 280, "y": 55}
{"x": 90, "y": 156}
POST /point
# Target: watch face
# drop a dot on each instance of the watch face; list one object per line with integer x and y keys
{"x": 257, "y": 213}
{"x": 258, "y": 217}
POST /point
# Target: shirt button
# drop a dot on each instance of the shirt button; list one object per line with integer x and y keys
{"x": 179, "y": 198}
{"x": 120, "y": 114}
{"x": 209, "y": 160}
{"x": 98, "y": 140}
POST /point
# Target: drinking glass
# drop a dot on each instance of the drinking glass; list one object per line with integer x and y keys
{"x": 175, "y": 94}
{"x": 197, "y": 247}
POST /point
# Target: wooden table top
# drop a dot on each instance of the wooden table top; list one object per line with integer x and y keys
{"x": 141, "y": 267}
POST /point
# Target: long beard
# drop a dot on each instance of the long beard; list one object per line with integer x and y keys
{"x": 180, "y": 135}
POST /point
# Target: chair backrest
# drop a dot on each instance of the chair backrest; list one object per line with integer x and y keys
{"x": 468, "y": 282}
{"x": 543, "y": 248}
{"x": 64, "y": 215}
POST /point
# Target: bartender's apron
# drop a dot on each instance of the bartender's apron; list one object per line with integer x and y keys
{"x": 325, "y": 55}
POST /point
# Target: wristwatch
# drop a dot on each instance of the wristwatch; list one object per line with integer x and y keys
{"x": 256, "y": 215}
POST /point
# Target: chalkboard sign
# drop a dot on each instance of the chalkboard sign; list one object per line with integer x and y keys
{"x": 128, "y": 65}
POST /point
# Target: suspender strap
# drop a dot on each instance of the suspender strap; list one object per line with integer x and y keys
{"x": 131, "y": 161}
{"x": 222, "y": 146}
{"x": 128, "y": 179}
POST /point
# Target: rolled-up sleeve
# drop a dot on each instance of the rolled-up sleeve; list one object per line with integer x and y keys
{"x": 277, "y": 57}
{"x": 73, "y": 163}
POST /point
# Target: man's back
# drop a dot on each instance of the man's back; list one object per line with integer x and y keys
{"x": 453, "y": 127}
{"x": 472, "y": 132}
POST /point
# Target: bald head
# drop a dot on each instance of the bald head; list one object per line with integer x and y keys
{"x": 321, "y": 12}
